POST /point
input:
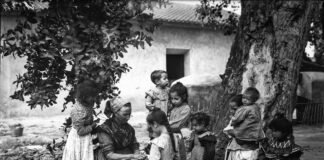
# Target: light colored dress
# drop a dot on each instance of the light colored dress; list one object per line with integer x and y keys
{"x": 79, "y": 143}
{"x": 179, "y": 118}
{"x": 161, "y": 148}
{"x": 160, "y": 98}
{"x": 234, "y": 151}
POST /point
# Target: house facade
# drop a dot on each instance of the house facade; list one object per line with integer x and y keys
{"x": 181, "y": 46}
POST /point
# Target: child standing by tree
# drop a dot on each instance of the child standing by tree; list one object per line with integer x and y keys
{"x": 162, "y": 147}
{"x": 234, "y": 103}
{"x": 79, "y": 142}
{"x": 247, "y": 128}
{"x": 280, "y": 145}
{"x": 179, "y": 116}
{"x": 202, "y": 144}
{"x": 158, "y": 96}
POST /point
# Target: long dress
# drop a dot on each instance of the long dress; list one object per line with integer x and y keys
{"x": 79, "y": 143}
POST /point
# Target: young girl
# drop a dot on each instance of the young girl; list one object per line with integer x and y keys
{"x": 247, "y": 128}
{"x": 179, "y": 116}
{"x": 280, "y": 145}
{"x": 79, "y": 142}
{"x": 162, "y": 146}
{"x": 158, "y": 96}
{"x": 202, "y": 145}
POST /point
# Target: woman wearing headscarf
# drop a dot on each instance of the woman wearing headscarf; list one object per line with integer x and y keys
{"x": 116, "y": 137}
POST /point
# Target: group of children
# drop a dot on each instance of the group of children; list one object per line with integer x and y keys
{"x": 169, "y": 114}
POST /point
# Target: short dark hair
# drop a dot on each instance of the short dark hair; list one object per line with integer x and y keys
{"x": 237, "y": 99}
{"x": 201, "y": 118}
{"x": 255, "y": 94}
{"x": 181, "y": 90}
{"x": 86, "y": 88}
{"x": 282, "y": 124}
{"x": 156, "y": 75}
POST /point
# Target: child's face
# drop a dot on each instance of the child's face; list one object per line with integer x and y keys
{"x": 197, "y": 127}
{"x": 233, "y": 106}
{"x": 163, "y": 81}
{"x": 154, "y": 129}
{"x": 247, "y": 99}
{"x": 277, "y": 134}
{"x": 176, "y": 100}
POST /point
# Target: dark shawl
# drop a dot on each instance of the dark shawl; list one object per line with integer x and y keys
{"x": 123, "y": 135}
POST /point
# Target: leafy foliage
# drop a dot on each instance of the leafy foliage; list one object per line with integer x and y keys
{"x": 71, "y": 41}
{"x": 211, "y": 13}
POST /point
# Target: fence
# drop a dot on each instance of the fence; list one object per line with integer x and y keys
{"x": 310, "y": 113}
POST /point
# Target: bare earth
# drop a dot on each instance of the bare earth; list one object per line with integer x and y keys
{"x": 40, "y": 131}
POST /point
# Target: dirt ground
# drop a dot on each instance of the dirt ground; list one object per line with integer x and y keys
{"x": 40, "y": 131}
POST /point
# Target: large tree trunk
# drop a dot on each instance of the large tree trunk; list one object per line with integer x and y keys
{"x": 266, "y": 54}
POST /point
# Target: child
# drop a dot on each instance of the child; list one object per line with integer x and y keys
{"x": 79, "y": 142}
{"x": 234, "y": 103}
{"x": 280, "y": 145}
{"x": 179, "y": 116}
{"x": 158, "y": 96}
{"x": 162, "y": 146}
{"x": 247, "y": 128}
{"x": 202, "y": 146}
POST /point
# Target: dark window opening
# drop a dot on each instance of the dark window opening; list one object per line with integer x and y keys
{"x": 175, "y": 66}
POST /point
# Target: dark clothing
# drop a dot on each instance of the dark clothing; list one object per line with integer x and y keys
{"x": 280, "y": 150}
{"x": 206, "y": 142}
{"x": 115, "y": 138}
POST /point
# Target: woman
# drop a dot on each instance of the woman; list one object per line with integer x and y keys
{"x": 116, "y": 137}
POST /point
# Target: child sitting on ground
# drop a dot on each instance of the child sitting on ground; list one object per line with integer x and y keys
{"x": 158, "y": 96}
{"x": 247, "y": 128}
{"x": 202, "y": 144}
{"x": 280, "y": 145}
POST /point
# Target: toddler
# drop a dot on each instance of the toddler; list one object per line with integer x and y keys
{"x": 158, "y": 96}
{"x": 203, "y": 143}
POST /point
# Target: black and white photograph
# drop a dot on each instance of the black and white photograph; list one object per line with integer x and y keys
{"x": 161, "y": 80}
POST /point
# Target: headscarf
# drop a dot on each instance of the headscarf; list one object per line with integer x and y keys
{"x": 113, "y": 106}
{"x": 123, "y": 135}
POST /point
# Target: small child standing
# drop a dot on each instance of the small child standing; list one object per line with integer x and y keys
{"x": 280, "y": 145}
{"x": 79, "y": 143}
{"x": 179, "y": 116}
{"x": 158, "y": 96}
{"x": 203, "y": 143}
{"x": 162, "y": 146}
{"x": 247, "y": 128}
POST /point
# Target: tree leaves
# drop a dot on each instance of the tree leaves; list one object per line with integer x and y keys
{"x": 73, "y": 41}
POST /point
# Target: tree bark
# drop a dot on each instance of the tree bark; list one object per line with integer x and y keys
{"x": 266, "y": 54}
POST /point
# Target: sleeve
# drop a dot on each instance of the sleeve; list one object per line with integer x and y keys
{"x": 155, "y": 152}
{"x": 135, "y": 145}
{"x": 190, "y": 142}
{"x": 150, "y": 93}
{"x": 78, "y": 119}
{"x": 239, "y": 116}
{"x": 180, "y": 120}
{"x": 106, "y": 143}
